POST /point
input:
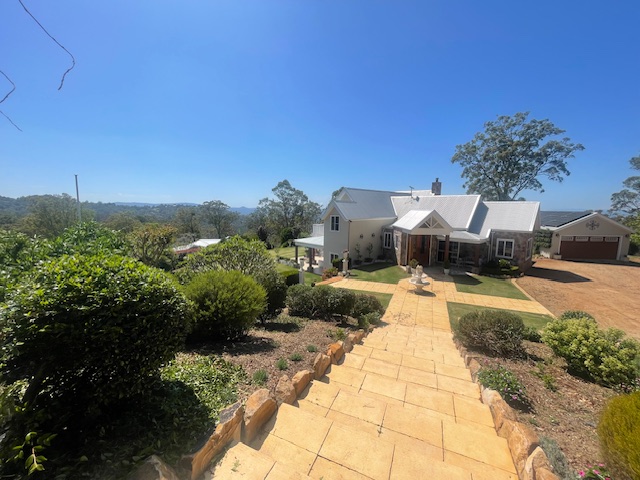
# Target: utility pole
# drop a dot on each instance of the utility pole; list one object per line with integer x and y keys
{"x": 78, "y": 200}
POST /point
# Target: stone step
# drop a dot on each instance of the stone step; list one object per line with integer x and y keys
{"x": 388, "y": 441}
{"x": 244, "y": 462}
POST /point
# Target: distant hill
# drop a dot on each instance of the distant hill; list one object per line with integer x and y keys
{"x": 11, "y": 209}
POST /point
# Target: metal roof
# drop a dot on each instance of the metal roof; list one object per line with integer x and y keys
{"x": 422, "y": 222}
{"x": 557, "y": 219}
{"x": 512, "y": 216}
{"x": 456, "y": 210}
{"x": 310, "y": 242}
{"x": 364, "y": 204}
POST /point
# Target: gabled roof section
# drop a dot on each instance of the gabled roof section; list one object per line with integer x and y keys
{"x": 422, "y": 222}
{"x": 510, "y": 216}
{"x": 456, "y": 210}
{"x": 597, "y": 217}
{"x": 557, "y": 219}
{"x": 359, "y": 204}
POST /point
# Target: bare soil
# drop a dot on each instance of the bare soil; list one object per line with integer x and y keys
{"x": 279, "y": 339}
{"x": 562, "y": 407}
{"x": 608, "y": 291}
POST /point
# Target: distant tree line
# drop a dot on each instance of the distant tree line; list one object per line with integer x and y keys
{"x": 277, "y": 220}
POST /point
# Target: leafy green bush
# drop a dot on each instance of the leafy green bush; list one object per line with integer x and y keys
{"x": 247, "y": 256}
{"x": 82, "y": 333}
{"x": 300, "y": 300}
{"x": 312, "y": 348}
{"x": 503, "y": 381}
{"x": 372, "y": 318}
{"x": 494, "y": 331}
{"x": 532, "y": 335}
{"x": 291, "y": 276}
{"x": 341, "y": 302}
{"x": 226, "y": 304}
{"x": 213, "y": 379}
{"x": 573, "y": 314}
{"x": 91, "y": 325}
{"x": 604, "y": 356}
{"x": 364, "y": 304}
{"x": 619, "y": 435}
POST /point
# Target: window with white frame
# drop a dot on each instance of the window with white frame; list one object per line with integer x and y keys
{"x": 335, "y": 223}
{"x": 387, "y": 240}
{"x": 529, "y": 248}
{"x": 504, "y": 248}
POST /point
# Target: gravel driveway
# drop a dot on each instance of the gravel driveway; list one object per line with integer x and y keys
{"x": 611, "y": 293}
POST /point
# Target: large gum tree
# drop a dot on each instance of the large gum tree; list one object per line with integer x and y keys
{"x": 511, "y": 155}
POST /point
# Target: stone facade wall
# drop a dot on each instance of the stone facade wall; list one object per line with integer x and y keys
{"x": 521, "y": 254}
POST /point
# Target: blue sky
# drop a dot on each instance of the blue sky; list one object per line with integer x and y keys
{"x": 189, "y": 101}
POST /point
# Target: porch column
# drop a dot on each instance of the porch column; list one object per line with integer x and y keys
{"x": 476, "y": 255}
{"x": 296, "y": 253}
{"x": 446, "y": 247}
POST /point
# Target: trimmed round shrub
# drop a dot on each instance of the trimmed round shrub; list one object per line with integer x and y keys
{"x": 493, "y": 331}
{"x": 247, "y": 256}
{"x": 226, "y": 304}
{"x": 299, "y": 300}
{"x": 365, "y": 304}
{"x": 604, "y": 356}
{"x": 619, "y": 435}
{"x": 290, "y": 275}
{"x": 95, "y": 327}
{"x": 372, "y": 318}
{"x": 572, "y": 314}
{"x": 341, "y": 302}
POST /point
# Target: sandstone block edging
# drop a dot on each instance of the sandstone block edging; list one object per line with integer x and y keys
{"x": 530, "y": 460}
{"x": 238, "y": 423}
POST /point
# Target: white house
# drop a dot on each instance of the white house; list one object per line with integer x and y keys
{"x": 427, "y": 226}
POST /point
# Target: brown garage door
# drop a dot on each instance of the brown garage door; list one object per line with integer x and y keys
{"x": 589, "y": 248}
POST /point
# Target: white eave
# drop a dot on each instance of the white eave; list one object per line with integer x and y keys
{"x": 310, "y": 242}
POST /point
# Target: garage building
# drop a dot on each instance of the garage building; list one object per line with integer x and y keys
{"x": 585, "y": 236}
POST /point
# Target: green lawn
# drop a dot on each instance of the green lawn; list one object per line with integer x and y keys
{"x": 480, "y": 285}
{"x": 286, "y": 252}
{"x": 310, "y": 278}
{"x": 534, "y": 320}
{"x": 379, "y": 272}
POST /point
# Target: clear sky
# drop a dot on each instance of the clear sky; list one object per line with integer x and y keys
{"x": 189, "y": 101}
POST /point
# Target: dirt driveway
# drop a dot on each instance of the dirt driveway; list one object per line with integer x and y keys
{"x": 608, "y": 292}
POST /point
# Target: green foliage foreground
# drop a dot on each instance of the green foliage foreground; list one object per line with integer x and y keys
{"x": 619, "y": 434}
{"x": 79, "y": 335}
{"x": 605, "y": 356}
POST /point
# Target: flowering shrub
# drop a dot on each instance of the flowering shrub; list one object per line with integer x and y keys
{"x": 605, "y": 356}
{"x": 596, "y": 472}
{"x": 504, "y": 382}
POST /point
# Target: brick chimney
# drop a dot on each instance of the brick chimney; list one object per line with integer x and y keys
{"x": 436, "y": 187}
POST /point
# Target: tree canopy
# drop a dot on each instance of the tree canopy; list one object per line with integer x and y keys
{"x": 628, "y": 199}
{"x": 512, "y": 154}
{"x": 290, "y": 209}
{"x": 218, "y": 214}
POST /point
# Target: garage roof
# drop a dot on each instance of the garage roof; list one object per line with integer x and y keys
{"x": 557, "y": 219}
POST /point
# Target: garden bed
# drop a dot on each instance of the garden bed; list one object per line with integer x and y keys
{"x": 562, "y": 407}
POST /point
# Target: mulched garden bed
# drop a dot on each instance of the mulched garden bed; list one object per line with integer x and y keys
{"x": 562, "y": 407}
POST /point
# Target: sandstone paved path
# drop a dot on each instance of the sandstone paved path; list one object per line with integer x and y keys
{"x": 400, "y": 406}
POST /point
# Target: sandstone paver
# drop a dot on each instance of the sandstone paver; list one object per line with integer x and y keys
{"x": 401, "y": 405}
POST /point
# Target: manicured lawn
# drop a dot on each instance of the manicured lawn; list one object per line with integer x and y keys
{"x": 480, "y": 285}
{"x": 310, "y": 278}
{"x": 379, "y": 272}
{"x": 286, "y": 252}
{"x": 534, "y": 320}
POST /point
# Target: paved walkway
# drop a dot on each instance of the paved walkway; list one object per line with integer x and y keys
{"x": 400, "y": 406}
